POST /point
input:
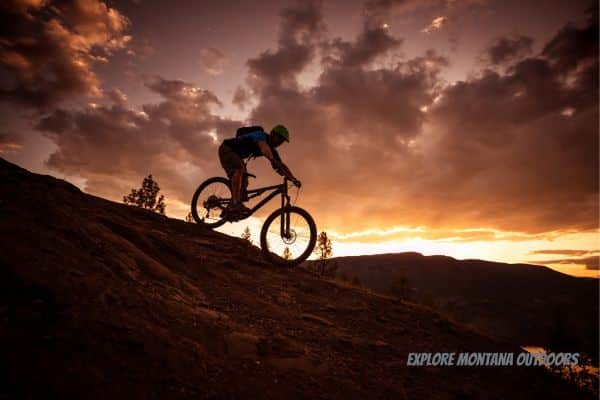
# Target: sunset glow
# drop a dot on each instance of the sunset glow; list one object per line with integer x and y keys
{"x": 462, "y": 128}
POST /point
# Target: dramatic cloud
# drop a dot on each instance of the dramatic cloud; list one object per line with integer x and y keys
{"x": 47, "y": 50}
{"x": 513, "y": 150}
{"x": 113, "y": 147}
{"x": 214, "y": 60}
{"x": 508, "y": 49}
{"x": 504, "y": 146}
{"x": 298, "y": 31}
{"x": 381, "y": 141}
{"x": 371, "y": 43}
{"x": 356, "y": 123}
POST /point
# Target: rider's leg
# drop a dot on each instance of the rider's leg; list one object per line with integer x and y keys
{"x": 236, "y": 185}
{"x": 234, "y": 167}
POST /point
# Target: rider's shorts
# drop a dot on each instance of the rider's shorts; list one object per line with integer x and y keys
{"x": 229, "y": 160}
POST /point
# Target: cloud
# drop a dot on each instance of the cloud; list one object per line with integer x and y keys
{"x": 117, "y": 97}
{"x": 507, "y": 155}
{"x": 371, "y": 43}
{"x": 48, "y": 49}
{"x": 508, "y": 49}
{"x": 395, "y": 145}
{"x": 9, "y": 143}
{"x": 214, "y": 60}
{"x": 375, "y": 143}
{"x": 566, "y": 252}
{"x": 113, "y": 146}
{"x": 353, "y": 124}
{"x": 591, "y": 260}
{"x": 376, "y": 11}
{"x": 241, "y": 98}
{"x": 300, "y": 28}
{"x": 436, "y": 24}
{"x": 588, "y": 262}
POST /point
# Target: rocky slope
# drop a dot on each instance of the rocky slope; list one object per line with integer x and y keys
{"x": 101, "y": 300}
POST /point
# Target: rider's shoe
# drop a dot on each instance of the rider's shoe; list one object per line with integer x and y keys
{"x": 236, "y": 212}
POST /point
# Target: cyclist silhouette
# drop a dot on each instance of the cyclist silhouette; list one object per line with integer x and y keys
{"x": 255, "y": 143}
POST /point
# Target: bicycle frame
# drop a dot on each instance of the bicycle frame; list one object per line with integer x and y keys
{"x": 285, "y": 202}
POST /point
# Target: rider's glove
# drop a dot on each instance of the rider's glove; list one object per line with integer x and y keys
{"x": 297, "y": 183}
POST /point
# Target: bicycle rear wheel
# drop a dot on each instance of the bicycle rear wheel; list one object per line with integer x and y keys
{"x": 288, "y": 247}
{"x": 209, "y": 200}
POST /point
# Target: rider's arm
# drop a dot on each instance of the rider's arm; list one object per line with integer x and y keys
{"x": 266, "y": 151}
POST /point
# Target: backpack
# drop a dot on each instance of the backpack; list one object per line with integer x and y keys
{"x": 248, "y": 129}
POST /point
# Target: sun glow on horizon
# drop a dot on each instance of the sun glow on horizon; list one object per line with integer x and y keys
{"x": 508, "y": 247}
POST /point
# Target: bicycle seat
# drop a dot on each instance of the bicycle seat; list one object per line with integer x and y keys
{"x": 250, "y": 175}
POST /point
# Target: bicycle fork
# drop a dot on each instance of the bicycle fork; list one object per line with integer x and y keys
{"x": 285, "y": 217}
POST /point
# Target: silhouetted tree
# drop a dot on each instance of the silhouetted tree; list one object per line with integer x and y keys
{"x": 246, "y": 235}
{"x": 189, "y": 218}
{"x": 287, "y": 254}
{"x": 324, "y": 247}
{"x": 324, "y": 250}
{"x": 146, "y": 196}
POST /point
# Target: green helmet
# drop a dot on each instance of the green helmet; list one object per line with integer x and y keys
{"x": 281, "y": 131}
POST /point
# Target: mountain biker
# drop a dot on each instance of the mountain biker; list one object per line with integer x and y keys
{"x": 257, "y": 143}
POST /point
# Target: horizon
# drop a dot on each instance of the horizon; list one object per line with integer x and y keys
{"x": 463, "y": 129}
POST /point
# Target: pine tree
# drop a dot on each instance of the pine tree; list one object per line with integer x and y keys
{"x": 246, "y": 235}
{"x": 189, "y": 218}
{"x": 287, "y": 254}
{"x": 146, "y": 196}
{"x": 324, "y": 250}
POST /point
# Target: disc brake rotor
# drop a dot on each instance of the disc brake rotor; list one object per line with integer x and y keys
{"x": 291, "y": 238}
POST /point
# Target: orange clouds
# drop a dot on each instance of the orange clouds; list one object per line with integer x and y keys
{"x": 50, "y": 48}
{"x": 379, "y": 140}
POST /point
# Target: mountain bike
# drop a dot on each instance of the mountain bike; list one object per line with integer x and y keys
{"x": 288, "y": 235}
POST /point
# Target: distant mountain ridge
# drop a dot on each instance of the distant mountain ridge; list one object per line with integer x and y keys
{"x": 526, "y": 304}
{"x": 101, "y": 300}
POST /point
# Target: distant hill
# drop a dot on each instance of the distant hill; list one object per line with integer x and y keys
{"x": 99, "y": 300}
{"x": 525, "y": 304}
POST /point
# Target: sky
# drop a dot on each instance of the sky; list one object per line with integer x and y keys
{"x": 467, "y": 128}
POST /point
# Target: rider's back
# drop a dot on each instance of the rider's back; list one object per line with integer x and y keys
{"x": 246, "y": 145}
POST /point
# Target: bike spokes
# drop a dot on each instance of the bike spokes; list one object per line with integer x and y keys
{"x": 209, "y": 201}
{"x": 289, "y": 236}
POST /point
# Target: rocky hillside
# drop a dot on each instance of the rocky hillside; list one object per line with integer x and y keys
{"x": 521, "y": 303}
{"x": 100, "y": 300}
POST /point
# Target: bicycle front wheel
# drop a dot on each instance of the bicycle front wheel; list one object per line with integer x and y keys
{"x": 288, "y": 236}
{"x": 209, "y": 201}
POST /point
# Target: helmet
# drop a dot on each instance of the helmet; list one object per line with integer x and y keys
{"x": 281, "y": 131}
